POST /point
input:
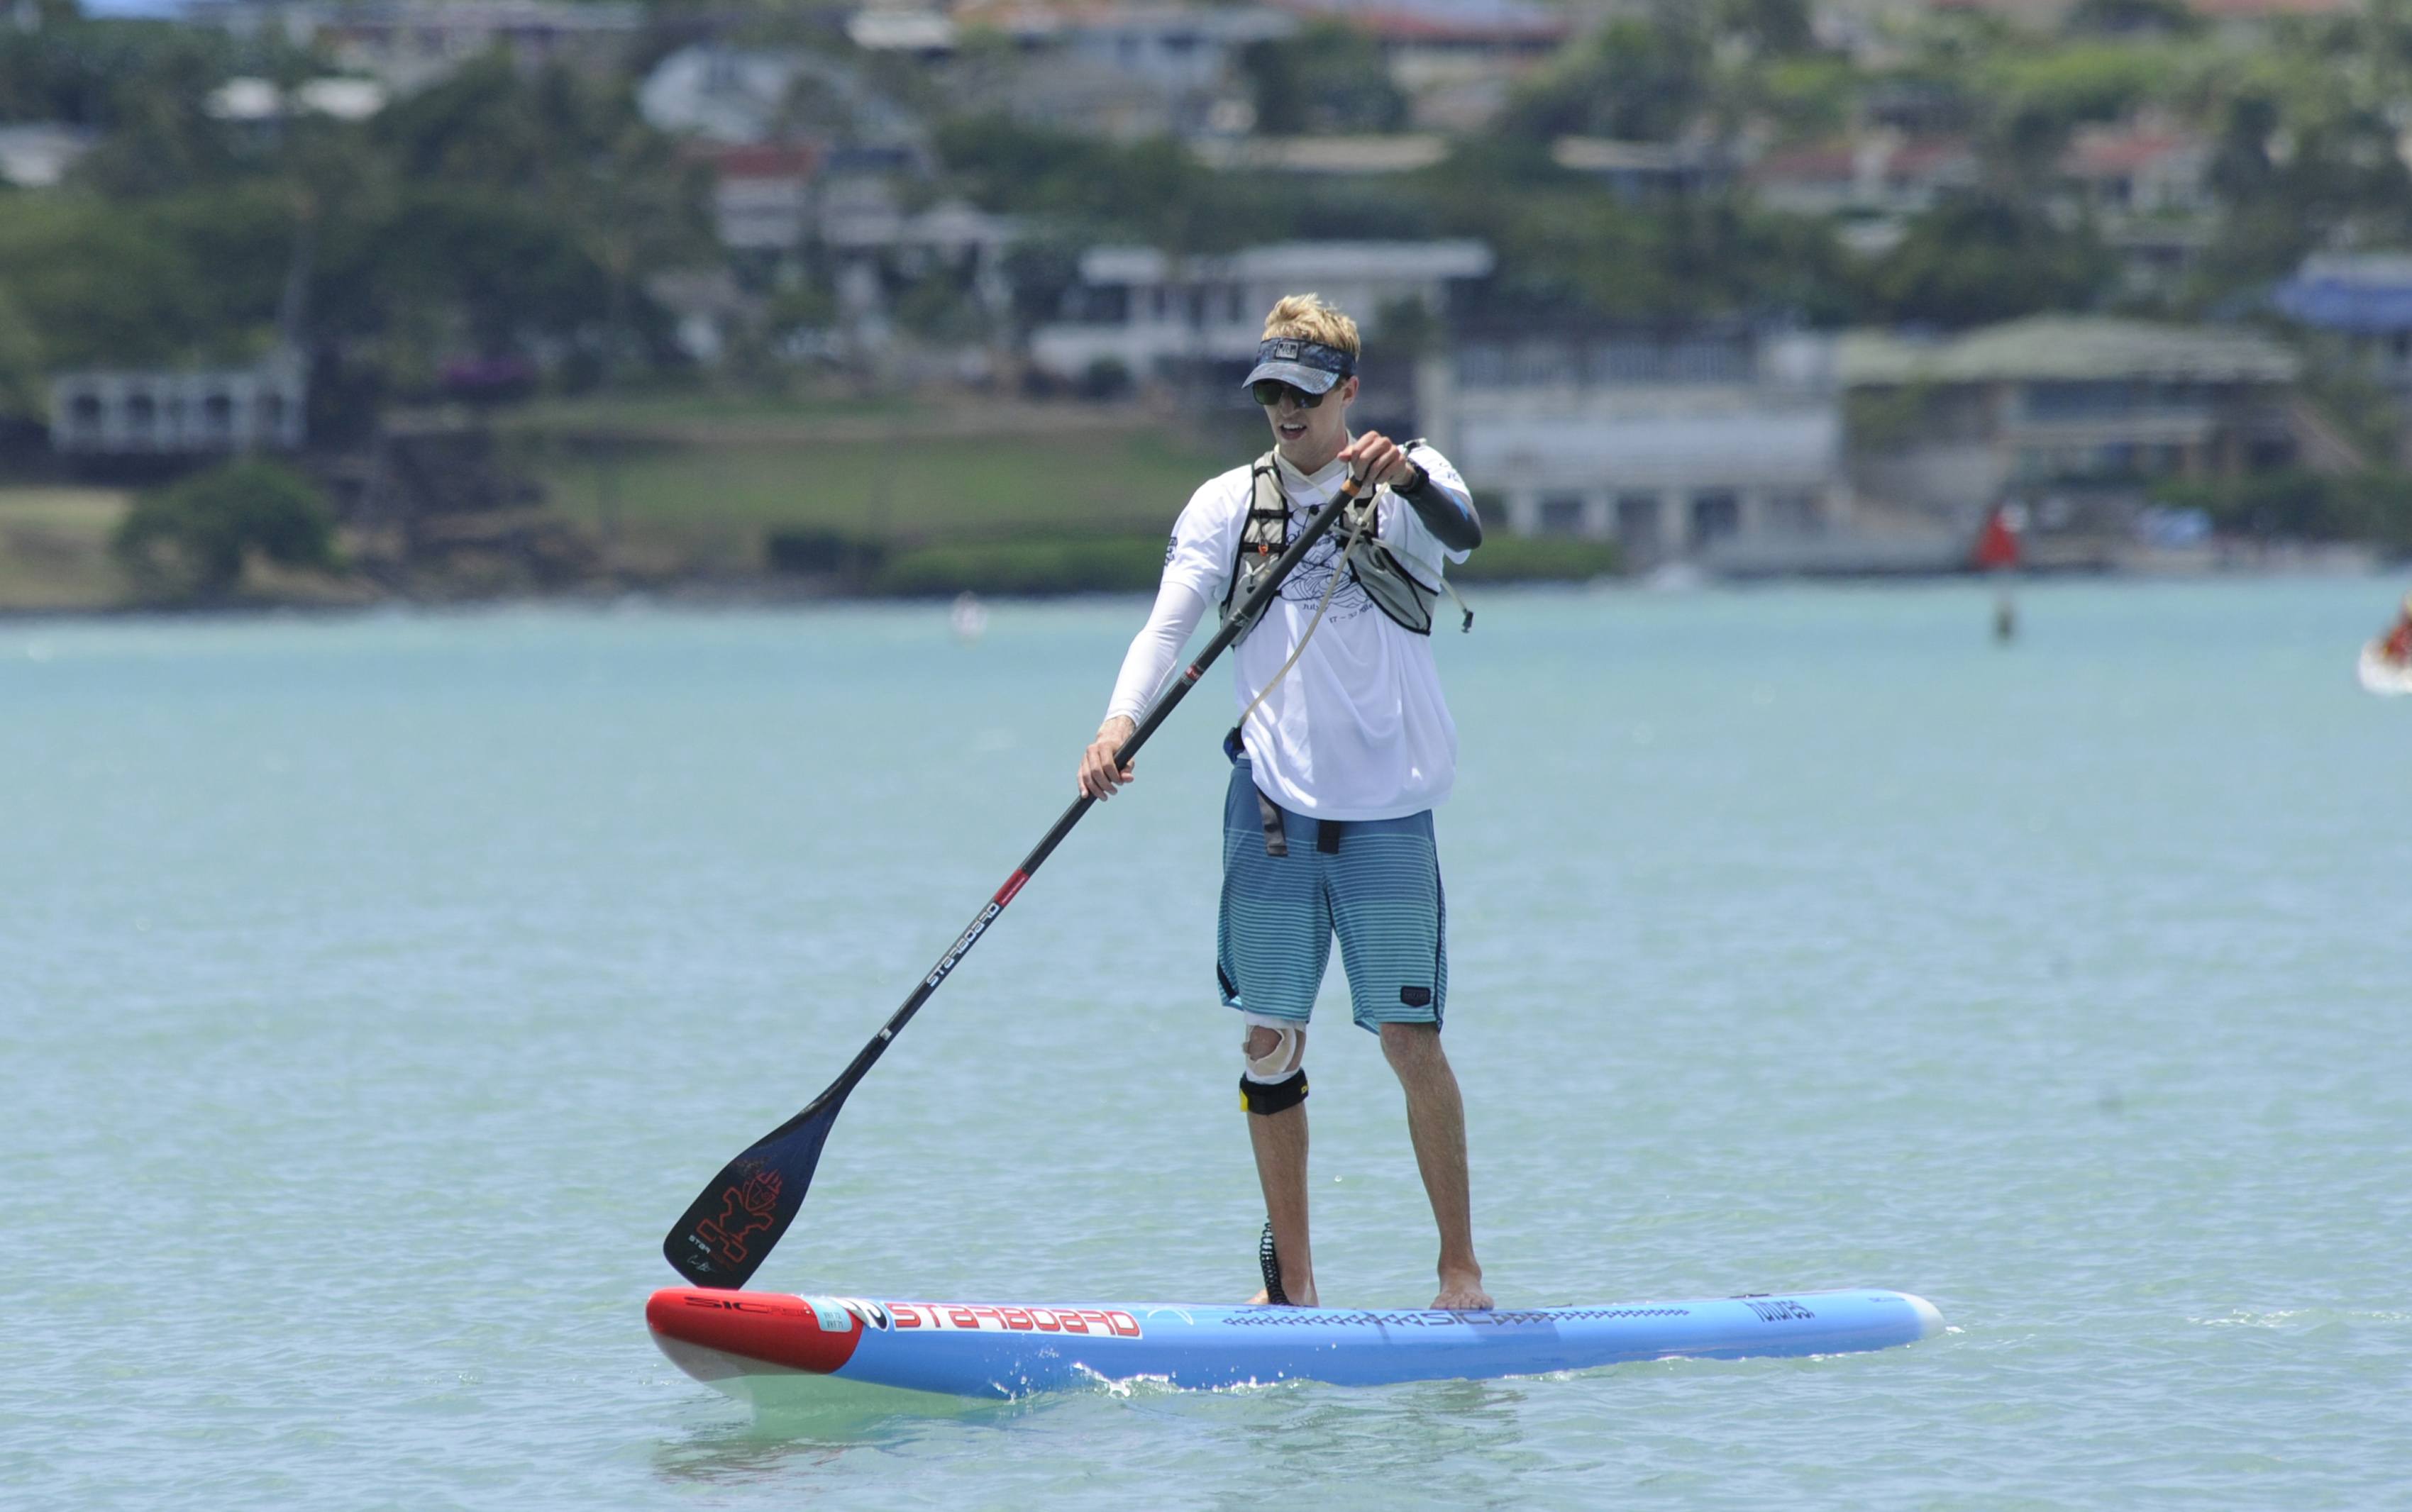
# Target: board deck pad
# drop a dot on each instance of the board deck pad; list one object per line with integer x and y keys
{"x": 745, "y": 1341}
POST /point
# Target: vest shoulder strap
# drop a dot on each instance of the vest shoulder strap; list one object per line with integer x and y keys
{"x": 1263, "y": 533}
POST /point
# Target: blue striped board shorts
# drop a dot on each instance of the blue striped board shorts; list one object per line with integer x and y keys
{"x": 1374, "y": 882}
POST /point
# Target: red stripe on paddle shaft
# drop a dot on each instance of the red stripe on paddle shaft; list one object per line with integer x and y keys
{"x": 1012, "y": 885}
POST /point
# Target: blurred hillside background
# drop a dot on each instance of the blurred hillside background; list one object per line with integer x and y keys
{"x": 448, "y": 300}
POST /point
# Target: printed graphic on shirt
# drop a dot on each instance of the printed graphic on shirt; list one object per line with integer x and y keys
{"x": 1313, "y": 576}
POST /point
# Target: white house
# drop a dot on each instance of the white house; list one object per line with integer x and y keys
{"x": 1178, "y": 46}
{"x": 37, "y": 156}
{"x": 171, "y": 414}
{"x": 1159, "y": 315}
{"x": 762, "y": 196}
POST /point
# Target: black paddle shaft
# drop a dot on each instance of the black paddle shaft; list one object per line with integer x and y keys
{"x": 729, "y": 1229}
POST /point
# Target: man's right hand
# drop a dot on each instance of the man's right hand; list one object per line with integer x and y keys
{"x": 1100, "y": 776}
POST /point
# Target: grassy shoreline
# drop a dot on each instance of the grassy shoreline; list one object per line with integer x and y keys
{"x": 770, "y": 500}
{"x": 54, "y": 560}
{"x": 54, "y": 549}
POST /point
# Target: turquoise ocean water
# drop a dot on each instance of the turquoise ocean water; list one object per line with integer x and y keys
{"x": 375, "y": 992}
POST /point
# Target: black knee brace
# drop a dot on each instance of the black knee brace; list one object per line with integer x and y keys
{"x": 1273, "y": 1096}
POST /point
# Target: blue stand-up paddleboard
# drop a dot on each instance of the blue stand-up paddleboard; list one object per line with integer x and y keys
{"x": 761, "y": 1345}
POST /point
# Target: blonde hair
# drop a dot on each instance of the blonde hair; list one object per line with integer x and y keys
{"x": 1308, "y": 318}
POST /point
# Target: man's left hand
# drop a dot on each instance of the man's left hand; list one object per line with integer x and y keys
{"x": 1377, "y": 459}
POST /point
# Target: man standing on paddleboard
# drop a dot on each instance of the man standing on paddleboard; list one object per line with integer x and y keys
{"x": 1343, "y": 748}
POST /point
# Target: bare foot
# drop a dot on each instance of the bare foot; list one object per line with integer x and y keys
{"x": 1260, "y": 1300}
{"x": 1462, "y": 1292}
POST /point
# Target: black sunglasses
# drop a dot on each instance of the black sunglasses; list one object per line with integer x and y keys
{"x": 1272, "y": 391}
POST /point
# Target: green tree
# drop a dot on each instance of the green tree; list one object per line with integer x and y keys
{"x": 2373, "y": 506}
{"x": 1565, "y": 246}
{"x": 640, "y": 210}
{"x": 489, "y": 125}
{"x": 1405, "y": 328}
{"x": 1040, "y": 271}
{"x": 100, "y": 282}
{"x": 1978, "y": 258}
{"x": 161, "y": 138}
{"x": 21, "y": 364}
{"x": 1154, "y": 191}
{"x": 2130, "y": 18}
{"x": 1770, "y": 28}
{"x": 1654, "y": 79}
{"x": 187, "y": 543}
{"x": 107, "y": 73}
{"x": 1329, "y": 78}
{"x": 531, "y": 210}
{"x": 1639, "y": 81}
{"x": 2294, "y": 175}
{"x": 2032, "y": 101}
{"x": 340, "y": 195}
{"x": 1805, "y": 97}
{"x": 936, "y": 306}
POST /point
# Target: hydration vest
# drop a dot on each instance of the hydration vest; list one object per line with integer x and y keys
{"x": 1394, "y": 589}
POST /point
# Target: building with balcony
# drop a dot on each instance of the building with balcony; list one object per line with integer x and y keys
{"x": 408, "y": 45}
{"x": 1123, "y": 71}
{"x": 1169, "y": 47}
{"x": 2077, "y": 416}
{"x": 1689, "y": 444}
{"x": 713, "y": 93}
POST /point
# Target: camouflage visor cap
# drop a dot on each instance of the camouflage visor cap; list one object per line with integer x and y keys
{"x": 1307, "y": 365}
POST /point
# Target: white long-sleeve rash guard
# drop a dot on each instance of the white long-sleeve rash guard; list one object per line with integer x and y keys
{"x": 1358, "y": 729}
{"x": 1157, "y": 646}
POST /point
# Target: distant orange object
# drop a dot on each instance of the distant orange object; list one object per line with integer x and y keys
{"x": 2395, "y": 647}
{"x": 1997, "y": 544}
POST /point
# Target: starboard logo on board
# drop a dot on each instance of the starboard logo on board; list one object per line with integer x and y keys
{"x": 1095, "y": 1322}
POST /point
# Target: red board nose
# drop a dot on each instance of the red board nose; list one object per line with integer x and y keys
{"x": 764, "y": 1326}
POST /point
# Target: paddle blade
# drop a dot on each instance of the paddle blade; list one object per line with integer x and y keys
{"x": 729, "y": 1230}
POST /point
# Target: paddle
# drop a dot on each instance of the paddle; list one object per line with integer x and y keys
{"x": 731, "y": 1226}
